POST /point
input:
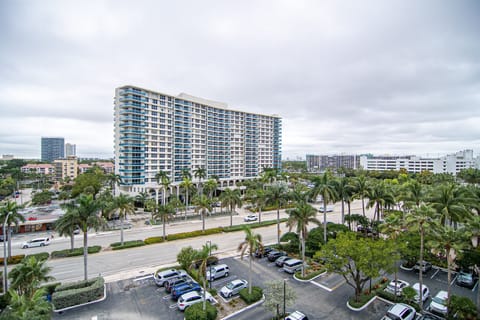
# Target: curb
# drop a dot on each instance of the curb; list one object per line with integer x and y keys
{"x": 367, "y": 303}
{"x": 405, "y": 268}
{"x": 309, "y": 280}
{"x": 245, "y": 309}
{"x": 86, "y": 303}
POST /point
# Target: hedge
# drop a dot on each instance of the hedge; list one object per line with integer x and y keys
{"x": 253, "y": 225}
{"x": 256, "y": 295}
{"x": 309, "y": 275}
{"x": 76, "y": 293}
{"x": 191, "y": 234}
{"x": 127, "y": 244}
{"x": 39, "y": 256}
{"x": 196, "y": 312}
{"x": 152, "y": 240}
{"x": 13, "y": 259}
{"x": 74, "y": 252}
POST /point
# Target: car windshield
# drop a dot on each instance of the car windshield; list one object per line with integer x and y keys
{"x": 465, "y": 275}
{"x": 439, "y": 300}
{"x": 230, "y": 285}
{"x": 392, "y": 316}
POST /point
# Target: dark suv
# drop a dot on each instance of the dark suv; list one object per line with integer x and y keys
{"x": 176, "y": 281}
{"x": 465, "y": 279}
{"x": 274, "y": 255}
{"x": 260, "y": 254}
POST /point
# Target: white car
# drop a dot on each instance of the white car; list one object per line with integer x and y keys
{"x": 39, "y": 242}
{"x": 400, "y": 311}
{"x": 400, "y": 284}
{"x": 162, "y": 277}
{"x": 328, "y": 208}
{"x": 250, "y": 217}
{"x": 425, "y": 292}
{"x": 439, "y": 303}
{"x": 233, "y": 287}
{"x": 191, "y": 298}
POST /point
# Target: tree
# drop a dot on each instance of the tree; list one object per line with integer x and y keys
{"x": 200, "y": 174}
{"x": 186, "y": 256}
{"x": 413, "y": 194}
{"x": 23, "y": 307}
{"x": 231, "y": 199}
{"x": 361, "y": 188}
{"x": 378, "y": 195}
{"x": 274, "y": 294}
{"x": 276, "y": 195}
{"x": 251, "y": 243}
{"x": 14, "y": 218}
{"x": 43, "y": 197}
{"x": 449, "y": 201}
{"x": 28, "y": 275}
{"x": 357, "y": 260}
{"x": 344, "y": 191}
{"x": 300, "y": 217}
{"x": 203, "y": 205}
{"x": 114, "y": 180}
{"x": 210, "y": 187}
{"x": 323, "y": 185}
{"x": 142, "y": 198}
{"x": 122, "y": 206}
{"x": 66, "y": 225}
{"x": 203, "y": 255}
{"x": 90, "y": 182}
{"x": 186, "y": 185}
{"x": 164, "y": 213}
{"x": 163, "y": 179}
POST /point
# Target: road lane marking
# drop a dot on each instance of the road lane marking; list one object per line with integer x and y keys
{"x": 143, "y": 278}
{"x": 433, "y": 276}
{"x": 453, "y": 281}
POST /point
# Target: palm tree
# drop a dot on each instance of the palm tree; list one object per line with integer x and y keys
{"x": 203, "y": 206}
{"x": 66, "y": 225}
{"x": 162, "y": 178}
{"x": 300, "y": 217}
{"x": 451, "y": 242}
{"x": 378, "y": 195}
{"x": 449, "y": 201}
{"x": 86, "y": 216}
{"x": 142, "y": 197}
{"x": 210, "y": 187}
{"x": 14, "y": 218}
{"x": 413, "y": 194}
{"x": 204, "y": 255}
{"x": 176, "y": 203}
{"x": 114, "y": 180}
{"x": 324, "y": 186}
{"x": 231, "y": 199}
{"x": 344, "y": 191}
{"x": 187, "y": 185}
{"x": 28, "y": 275}
{"x": 123, "y": 205}
{"x": 258, "y": 199}
{"x": 251, "y": 243}
{"x": 200, "y": 174}
{"x": 166, "y": 185}
{"x": 361, "y": 189}
{"x": 164, "y": 213}
{"x": 421, "y": 219}
{"x": 28, "y": 307}
{"x": 276, "y": 195}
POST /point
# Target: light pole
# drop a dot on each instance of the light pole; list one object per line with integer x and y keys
{"x": 209, "y": 243}
{"x": 5, "y": 285}
{"x": 284, "y": 294}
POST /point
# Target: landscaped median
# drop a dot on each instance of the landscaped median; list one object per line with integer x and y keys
{"x": 76, "y": 294}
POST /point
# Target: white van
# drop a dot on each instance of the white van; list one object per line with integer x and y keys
{"x": 292, "y": 266}
{"x": 39, "y": 242}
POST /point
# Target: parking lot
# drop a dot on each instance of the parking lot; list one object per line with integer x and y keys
{"x": 324, "y": 299}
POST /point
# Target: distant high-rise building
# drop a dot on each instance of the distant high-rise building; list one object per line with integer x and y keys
{"x": 66, "y": 167}
{"x": 70, "y": 150}
{"x": 52, "y": 148}
{"x": 321, "y": 163}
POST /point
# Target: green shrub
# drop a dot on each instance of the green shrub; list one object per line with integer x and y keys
{"x": 50, "y": 288}
{"x": 191, "y": 234}
{"x": 212, "y": 291}
{"x": 39, "y": 256}
{"x": 127, "y": 244}
{"x": 74, "y": 252}
{"x": 256, "y": 295}
{"x": 309, "y": 275}
{"x": 196, "y": 312}
{"x": 152, "y": 240}
{"x": 362, "y": 299}
{"x": 253, "y": 225}
{"x": 78, "y": 293}
{"x": 13, "y": 259}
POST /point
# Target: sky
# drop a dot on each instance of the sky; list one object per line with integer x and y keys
{"x": 347, "y": 77}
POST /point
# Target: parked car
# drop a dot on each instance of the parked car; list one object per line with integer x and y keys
{"x": 297, "y": 315}
{"x": 263, "y": 253}
{"x": 176, "y": 281}
{"x": 162, "y": 277}
{"x": 429, "y": 316}
{"x": 292, "y": 265}
{"x": 181, "y": 289}
{"x": 3, "y": 238}
{"x": 212, "y": 260}
{"x": 400, "y": 311}
{"x": 425, "y": 292}
{"x": 191, "y": 298}
{"x": 439, "y": 303}
{"x": 281, "y": 260}
{"x": 218, "y": 271}
{"x": 250, "y": 217}
{"x": 274, "y": 255}
{"x": 400, "y": 284}
{"x": 38, "y": 242}
{"x": 328, "y": 209}
{"x": 233, "y": 287}
{"x": 465, "y": 279}
{"x": 425, "y": 266}
{"x": 77, "y": 231}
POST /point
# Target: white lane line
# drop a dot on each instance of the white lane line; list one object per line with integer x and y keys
{"x": 476, "y": 285}
{"x": 433, "y": 276}
{"x": 453, "y": 281}
{"x": 321, "y": 286}
{"x": 143, "y": 278}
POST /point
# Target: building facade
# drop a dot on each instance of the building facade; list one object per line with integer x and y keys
{"x": 52, "y": 149}
{"x": 70, "y": 150}
{"x": 40, "y": 168}
{"x": 452, "y": 163}
{"x": 159, "y": 132}
{"x": 320, "y": 163}
{"x": 67, "y": 167}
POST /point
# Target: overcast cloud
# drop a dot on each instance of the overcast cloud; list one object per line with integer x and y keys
{"x": 397, "y": 77}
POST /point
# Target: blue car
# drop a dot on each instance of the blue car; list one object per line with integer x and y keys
{"x": 177, "y": 291}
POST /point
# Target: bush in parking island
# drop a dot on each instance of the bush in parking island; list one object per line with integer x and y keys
{"x": 196, "y": 312}
{"x": 39, "y": 256}
{"x": 256, "y": 295}
{"x": 74, "y": 252}
{"x": 152, "y": 240}
{"x": 127, "y": 244}
{"x": 76, "y": 293}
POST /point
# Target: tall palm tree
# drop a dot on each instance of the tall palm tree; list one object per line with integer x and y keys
{"x": 344, "y": 191}
{"x": 86, "y": 216}
{"x": 186, "y": 174}
{"x": 14, "y": 218}
{"x": 142, "y": 197}
{"x": 300, "y": 217}
{"x": 203, "y": 255}
{"x": 324, "y": 186}
{"x": 277, "y": 196}
{"x": 28, "y": 275}
{"x": 361, "y": 189}
{"x": 231, "y": 199}
{"x": 28, "y": 307}
{"x": 176, "y": 203}
{"x": 166, "y": 185}
{"x": 161, "y": 177}
{"x": 258, "y": 199}
{"x": 122, "y": 206}
{"x": 210, "y": 187}
{"x": 114, "y": 180}
{"x": 66, "y": 225}
{"x": 378, "y": 195}
{"x": 451, "y": 242}
{"x": 421, "y": 219}
{"x": 251, "y": 243}
{"x": 450, "y": 202}
{"x": 203, "y": 205}
{"x": 413, "y": 194}
{"x": 186, "y": 185}
{"x": 164, "y": 213}
{"x": 200, "y": 173}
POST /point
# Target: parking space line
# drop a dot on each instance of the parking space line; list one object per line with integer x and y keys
{"x": 453, "y": 281}
{"x": 173, "y": 306}
{"x": 433, "y": 276}
{"x": 167, "y": 297}
{"x": 476, "y": 285}
{"x": 143, "y": 278}
{"x": 322, "y": 286}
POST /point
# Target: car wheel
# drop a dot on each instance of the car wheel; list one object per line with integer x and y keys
{"x": 42, "y": 245}
{"x": 226, "y": 274}
{"x": 229, "y": 295}
{"x": 24, "y": 247}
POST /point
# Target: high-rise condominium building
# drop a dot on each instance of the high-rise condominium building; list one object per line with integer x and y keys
{"x": 70, "y": 150}
{"x": 320, "y": 163}
{"x": 52, "y": 148}
{"x": 160, "y": 132}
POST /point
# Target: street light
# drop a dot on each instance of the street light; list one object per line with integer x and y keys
{"x": 284, "y": 294}
{"x": 209, "y": 243}
{"x": 5, "y": 285}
